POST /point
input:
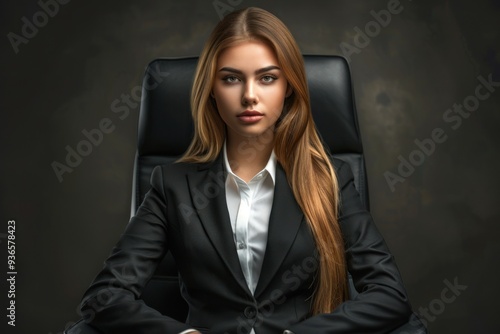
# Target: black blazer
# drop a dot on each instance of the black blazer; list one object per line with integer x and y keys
{"x": 185, "y": 212}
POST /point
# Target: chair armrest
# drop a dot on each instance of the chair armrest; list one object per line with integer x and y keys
{"x": 413, "y": 326}
{"x": 80, "y": 327}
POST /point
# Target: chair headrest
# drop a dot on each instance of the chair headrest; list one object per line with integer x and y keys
{"x": 166, "y": 128}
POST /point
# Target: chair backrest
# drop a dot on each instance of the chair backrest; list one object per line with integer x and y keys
{"x": 166, "y": 129}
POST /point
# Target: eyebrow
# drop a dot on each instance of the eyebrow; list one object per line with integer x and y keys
{"x": 261, "y": 70}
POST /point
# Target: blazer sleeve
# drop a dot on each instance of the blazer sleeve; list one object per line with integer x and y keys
{"x": 112, "y": 303}
{"x": 382, "y": 304}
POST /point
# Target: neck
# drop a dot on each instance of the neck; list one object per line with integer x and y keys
{"x": 248, "y": 156}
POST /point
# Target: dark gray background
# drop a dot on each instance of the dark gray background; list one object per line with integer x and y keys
{"x": 440, "y": 223}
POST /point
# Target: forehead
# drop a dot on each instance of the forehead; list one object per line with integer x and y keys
{"x": 248, "y": 55}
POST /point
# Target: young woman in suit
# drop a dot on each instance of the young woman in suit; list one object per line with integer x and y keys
{"x": 270, "y": 250}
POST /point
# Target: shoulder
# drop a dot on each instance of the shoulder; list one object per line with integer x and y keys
{"x": 177, "y": 168}
{"x": 174, "y": 170}
{"x": 171, "y": 176}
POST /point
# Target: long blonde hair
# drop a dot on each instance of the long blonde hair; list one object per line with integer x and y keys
{"x": 296, "y": 143}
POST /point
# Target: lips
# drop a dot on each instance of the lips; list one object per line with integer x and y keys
{"x": 250, "y": 113}
{"x": 250, "y": 116}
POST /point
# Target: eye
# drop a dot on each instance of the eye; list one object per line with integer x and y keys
{"x": 230, "y": 79}
{"x": 268, "y": 78}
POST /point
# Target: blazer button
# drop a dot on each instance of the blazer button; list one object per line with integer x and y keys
{"x": 250, "y": 312}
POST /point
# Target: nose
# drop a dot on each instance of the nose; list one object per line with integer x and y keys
{"x": 249, "y": 96}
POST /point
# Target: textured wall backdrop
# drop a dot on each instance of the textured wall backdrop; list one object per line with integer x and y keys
{"x": 426, "y": 83}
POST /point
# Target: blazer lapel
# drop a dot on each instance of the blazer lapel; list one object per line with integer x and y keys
{"x": 284, "y": 222}
{"x": 208, "y": 193}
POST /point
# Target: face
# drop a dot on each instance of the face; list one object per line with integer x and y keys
{"x": 249, "y": 90}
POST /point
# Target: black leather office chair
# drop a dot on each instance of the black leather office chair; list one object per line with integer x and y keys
{"x": 166, "y": 128}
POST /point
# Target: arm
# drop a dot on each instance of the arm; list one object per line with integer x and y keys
{"x": 382, "y": 304}
{"x": 112, "y": 304}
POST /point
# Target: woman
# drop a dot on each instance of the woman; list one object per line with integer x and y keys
{"x": 269, "y": 252}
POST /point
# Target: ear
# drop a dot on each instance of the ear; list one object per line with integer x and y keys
{"x": 289, "y": 90}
